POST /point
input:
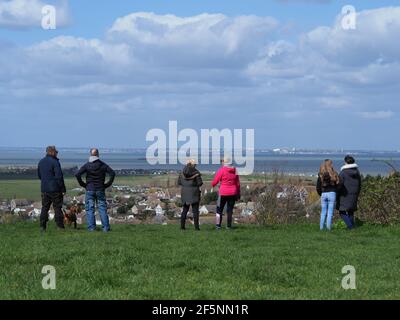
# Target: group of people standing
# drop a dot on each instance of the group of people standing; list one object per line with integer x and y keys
{"x": 340, "y": 191}
{"x": 229, "y": 192}
{"x": 53, "y": 188}
{"x": 96, "y": 171}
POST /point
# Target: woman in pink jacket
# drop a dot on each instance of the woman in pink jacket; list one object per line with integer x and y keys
{"x": 229, "y": 191}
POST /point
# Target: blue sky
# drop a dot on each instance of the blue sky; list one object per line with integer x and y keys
{"x": 115, "y": 69}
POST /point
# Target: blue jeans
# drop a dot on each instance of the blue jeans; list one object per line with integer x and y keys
{"x": 99, "y": 197}
{"x": 348, "y": 218}
{"x": 328, "y": 202}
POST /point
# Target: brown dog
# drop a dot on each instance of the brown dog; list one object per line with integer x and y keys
{"x": 71, "y": 216}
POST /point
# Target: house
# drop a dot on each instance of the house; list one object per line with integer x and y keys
{"x": 203, "y": 210}
{"x": 161, "y": 195}
{"x": 248, "y": 209}
{"x": 19, "y": 211}
{"x": 211, "y": 208}
{"x": 37, "y": 205}
{"x": 19, "y": 203}
{"x": 135, "y": 210}
{"x": 4, "y": 208}
{"x": 35, "y": 213}
{"x": 159, "y": 211}
{"x": 246, "y": 212}
{"x": 298, "y": 193}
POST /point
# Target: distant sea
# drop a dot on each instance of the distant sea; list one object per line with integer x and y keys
{"x": 298, "y": 163}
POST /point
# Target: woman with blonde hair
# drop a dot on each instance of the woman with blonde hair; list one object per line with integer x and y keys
{"x": 327, "y": 187}
{"x": 229, "y": 191}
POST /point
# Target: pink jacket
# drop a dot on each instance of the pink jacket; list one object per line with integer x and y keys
{"x": 230, "y": 182}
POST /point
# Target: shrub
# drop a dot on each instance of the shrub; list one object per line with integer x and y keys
{"x": 379, "y": 201}
{"x": 209, "y": 198}
{"x": 10, "y": 219}
{"x": 278, "y": 204}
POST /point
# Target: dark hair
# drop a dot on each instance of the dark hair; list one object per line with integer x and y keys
{"x": 349, "y": 160}
{"x": 94, "y": 152}
{"x": 51, "y": 149}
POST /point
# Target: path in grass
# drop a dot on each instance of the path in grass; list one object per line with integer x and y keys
{"x": 161, "y": 262}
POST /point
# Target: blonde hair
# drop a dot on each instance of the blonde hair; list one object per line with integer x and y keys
{"x": 227, "y": 161}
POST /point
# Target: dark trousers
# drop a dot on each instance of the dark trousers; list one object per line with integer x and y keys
{"x": 228, "y": 201}
{"x": 348, "y": 218}
{"x": 55, "y": 199}
{"x": 196, "y": 214}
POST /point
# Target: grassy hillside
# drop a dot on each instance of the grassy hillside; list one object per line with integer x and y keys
{"x": 161, "y": 262}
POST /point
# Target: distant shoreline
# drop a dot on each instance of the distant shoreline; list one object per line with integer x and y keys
{"x": 291, "y": 164}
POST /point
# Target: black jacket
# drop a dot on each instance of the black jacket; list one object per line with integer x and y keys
{"x": 190, "y": 180}
{"x": 326, "y": 186}
{"x": 51, "y": 176}
{"x": 350, "y": 188}
{"x": 96, "y": 176}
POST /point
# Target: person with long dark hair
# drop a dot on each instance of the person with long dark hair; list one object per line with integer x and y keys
{"x": 327, "y": 186}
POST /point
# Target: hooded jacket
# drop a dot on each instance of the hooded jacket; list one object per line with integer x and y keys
{"x": 229, "y": 181}
{"x": 50, "y": 175}
{"x": 96, "y": 171}
{"x": 190, "y": 181}
{"x": 350, "y": 188}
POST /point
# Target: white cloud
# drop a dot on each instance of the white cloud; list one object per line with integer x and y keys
{"x": 378, "y": 115}
{"x": 212, "y": 65}
{"x": 373, "y": 40}
{"x": 28, "y": 13}
{"x": 204, "y": 40}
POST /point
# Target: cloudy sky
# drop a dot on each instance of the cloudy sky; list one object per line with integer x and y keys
{"x": 112, "y": 70}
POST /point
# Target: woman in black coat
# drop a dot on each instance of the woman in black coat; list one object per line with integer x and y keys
{"x": 190, "y": 181}
{"x": 349, "y": 192}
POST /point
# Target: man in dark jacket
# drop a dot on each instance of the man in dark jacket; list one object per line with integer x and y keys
{"x": 95, "y": 185}
{"x": 350, "y": 187}
{"x": 52, "y": 188}
{"x": 190, "y": 181}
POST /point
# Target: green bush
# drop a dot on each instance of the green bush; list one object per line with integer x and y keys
{"x": 379, "y": 201}
{"x": 209, "y": 198}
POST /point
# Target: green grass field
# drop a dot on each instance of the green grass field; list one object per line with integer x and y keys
{"x": 30, "y": 188}
{"x": 161, "y": 262}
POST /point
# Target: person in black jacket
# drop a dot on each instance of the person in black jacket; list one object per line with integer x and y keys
{"x": 52, "y": 188}
{"x": 327, "y": 185}
{"x": 95, "y": 185}
{"x": 349, "y": 191}
{"x": 190, "y": 181}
